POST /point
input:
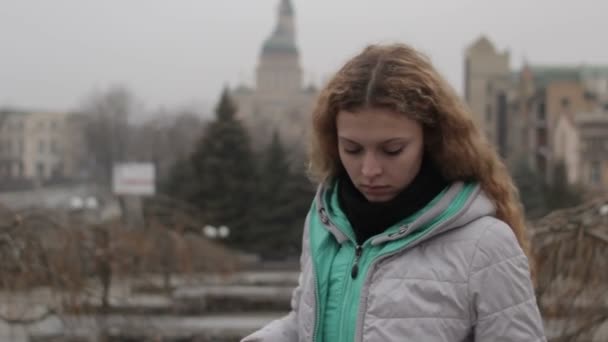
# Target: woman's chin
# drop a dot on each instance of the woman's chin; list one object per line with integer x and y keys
{"x": 378, "y": 198}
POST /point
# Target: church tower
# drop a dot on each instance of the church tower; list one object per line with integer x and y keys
{"x": 278, "y": 102}
{"x": 279, "y": 70}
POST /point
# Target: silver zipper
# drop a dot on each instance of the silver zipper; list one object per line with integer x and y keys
{"x": 355, "y": 269}
{"x": 401, "y": 230}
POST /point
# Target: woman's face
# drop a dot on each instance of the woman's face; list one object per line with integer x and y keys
{"x": 380, "y": 149}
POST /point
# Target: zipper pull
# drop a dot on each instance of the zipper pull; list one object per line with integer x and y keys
{"x": 323, "y": 215}
{"x": 355, "y": 269}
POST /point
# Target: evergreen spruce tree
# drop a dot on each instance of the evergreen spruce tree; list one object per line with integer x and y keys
{"x": 531, "y": 188}
{"x": 560, "y": 194}
{"x": 302, "y": 193}
{"x": 273, "y": 214}
{"x": 284, "y": 199}
{"x": 223, "y": 165}
{"x": 179, "y": 181}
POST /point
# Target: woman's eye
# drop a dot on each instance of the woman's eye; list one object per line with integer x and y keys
{"x": 393, "y": 152}
{"x": 352, "y": 150}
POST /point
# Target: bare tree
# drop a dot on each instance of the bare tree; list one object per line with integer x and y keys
{"x": 107, "y": 129}
{"x": 165, "y": 139}
{"x": 80, "y": 264}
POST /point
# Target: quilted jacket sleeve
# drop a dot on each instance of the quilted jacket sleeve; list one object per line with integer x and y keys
{"x": 286, "y": 328}
{"x": 503, "y": 303}
{"x": 283, "y": 329}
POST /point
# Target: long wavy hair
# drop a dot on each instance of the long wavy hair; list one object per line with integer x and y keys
{"x": 399, "y": 78}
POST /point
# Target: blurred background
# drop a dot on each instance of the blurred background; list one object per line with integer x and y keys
{"x": 153, "y": 177}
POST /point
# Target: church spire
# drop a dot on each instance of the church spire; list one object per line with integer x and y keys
{"x": 285, "y": 8}
{"x": 279, "y": 70}
{"x": 283, "y": 38}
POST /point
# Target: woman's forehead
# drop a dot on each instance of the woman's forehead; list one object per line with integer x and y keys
{"x": 377, "y": 125}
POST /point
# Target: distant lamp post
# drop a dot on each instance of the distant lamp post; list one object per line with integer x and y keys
{"x": 212, "y": 232}
{"x": 91, "y": 203}
{"x": 79, "y": 203}
{"x": 223, "y": 232}
{"x": 76, "y": 203}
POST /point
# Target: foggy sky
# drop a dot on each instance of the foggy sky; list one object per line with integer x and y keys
{"x": 53, "y": 54}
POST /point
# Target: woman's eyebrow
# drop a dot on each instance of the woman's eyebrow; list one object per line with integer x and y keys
{"x": 348, "y": 140}
{"x": 387, "y": 141}
{"x": 398, "y": 139}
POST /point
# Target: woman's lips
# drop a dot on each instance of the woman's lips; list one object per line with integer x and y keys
{"x": 375, "y": 189}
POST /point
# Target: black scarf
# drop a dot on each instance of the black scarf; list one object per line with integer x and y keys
{"x": 369, "y": 219}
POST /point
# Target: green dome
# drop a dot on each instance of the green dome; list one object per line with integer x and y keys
{"x": 286, "y": 8}
{"x": 276, "y": 44}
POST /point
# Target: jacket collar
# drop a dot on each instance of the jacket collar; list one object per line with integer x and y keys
{"x": 460, "y": 204}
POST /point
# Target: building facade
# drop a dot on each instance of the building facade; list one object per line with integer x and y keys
{"x": 581, "y": 143}
{"x": 40, "y": 146}
{"x": 487, "y": 78}
{"x": 519, "y": 110}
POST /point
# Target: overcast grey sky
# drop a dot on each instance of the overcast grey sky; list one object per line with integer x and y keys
{"x": 181, "y": 52}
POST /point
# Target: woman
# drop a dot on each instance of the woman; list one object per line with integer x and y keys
{"x": 416, "y": 232}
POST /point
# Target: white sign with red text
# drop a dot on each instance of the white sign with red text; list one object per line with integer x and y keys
{"x": 136, "y": 179}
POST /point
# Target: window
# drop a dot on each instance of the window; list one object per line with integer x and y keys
{"x": 467, "y": 80}
{"x": 562, "y": 143}
{"x": 590, "y": 96}
{"x": 541, "y": 115}
{"x": 541, "y": 137}
{"x": 594, "y": 173}
{"x": 53, "y": 147}
{"x": 41, "y": 147}
{"x": 488, "y": 113}
{"x": 515, "y": 106}
{"x": 40, "y": 169}
{"x": 595, "y": 144}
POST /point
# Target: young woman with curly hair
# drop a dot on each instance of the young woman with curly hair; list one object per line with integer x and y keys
{"x": 416, "y": 232}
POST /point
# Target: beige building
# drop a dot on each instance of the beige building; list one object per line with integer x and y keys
{"x": 279, "y": 100}
{"x": 40, "y": 146}
{"x": 519, "y": 110}
{"x": 543, "y": 107}
{"x": 488, "y": 82}
{"x": 581, "y": 142}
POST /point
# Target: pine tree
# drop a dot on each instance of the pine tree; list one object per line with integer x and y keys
{"x": 223, "y": 164}
{"x": 539, "y": 197}
{"x": 560, "y": 194}
{"x": 302, "y": 193}
{"x": 531, "y": 188}
{"x": 274, "y": 214}
{"x": 285, "y": 197}
{"x": 178, "y": 183}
